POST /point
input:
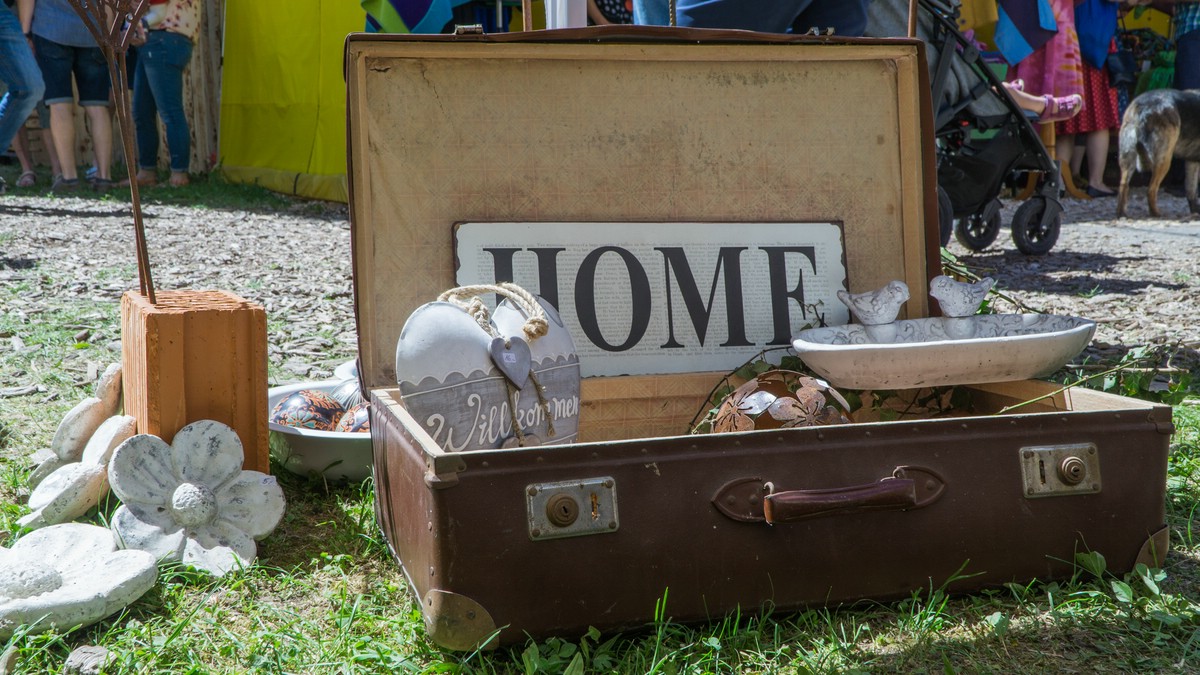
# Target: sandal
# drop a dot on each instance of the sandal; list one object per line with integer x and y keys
{"x": 27, "y": 179}
{"x": 1059, "y": 108}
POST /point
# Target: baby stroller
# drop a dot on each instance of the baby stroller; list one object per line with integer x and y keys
{"x": 984, "y": 140}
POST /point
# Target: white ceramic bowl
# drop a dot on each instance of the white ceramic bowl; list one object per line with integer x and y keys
{"x": 347, "y": 370}
{"x": 939, "y": 351}
{"x": 335, "y": 455}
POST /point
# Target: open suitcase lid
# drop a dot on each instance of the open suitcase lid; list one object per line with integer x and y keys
{"x": 729, "y": 134}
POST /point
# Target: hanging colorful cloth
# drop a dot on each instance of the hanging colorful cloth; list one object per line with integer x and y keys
{"x": 1056, "y": 68}
{"x": 1160, "y": 75}
{"x": 407, "y": 16}
{"x": 1023, "y": 27}
{"x": 1096, "y": 24}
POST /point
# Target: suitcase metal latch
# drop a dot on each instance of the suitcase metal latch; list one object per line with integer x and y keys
{"x": 1059, "y": 470}
{"x": 571, "y": 508}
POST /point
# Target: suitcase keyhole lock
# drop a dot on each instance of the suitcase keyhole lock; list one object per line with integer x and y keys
{"x": 562, "y": 510}
{"x": 1072, "y": 470}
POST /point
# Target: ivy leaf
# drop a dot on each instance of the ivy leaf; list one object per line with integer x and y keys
{"x": 1123, "y": 592}
{"x": 999, "y": 623}
{"x": 1093, "y": 562}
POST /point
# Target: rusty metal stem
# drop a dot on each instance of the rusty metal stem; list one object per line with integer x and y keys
{"x": 125, "y": 119}
{"x": 112, "y": 24}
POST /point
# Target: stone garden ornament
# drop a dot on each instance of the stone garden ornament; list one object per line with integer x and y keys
{"x": 477, "y": 380}
{"x": 961, "y": 347}
{"x": 71, "y": 489}
{"x": 79, "y": 424}
{"x": 68, "y": 575}
{"x": 959, "y": 298}
{"x": 877, "y": 307}
{"x": 191, "y": 501}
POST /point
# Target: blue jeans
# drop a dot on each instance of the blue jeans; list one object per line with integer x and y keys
{"x": 20, "y": 72}
{"x": 1187, "y": 60}
{"x": 158, "y": 90}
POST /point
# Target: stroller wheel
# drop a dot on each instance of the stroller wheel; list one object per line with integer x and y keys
{"x": 1031, "y": 236}
{"x": 978, "y": 230}
{"x": 945, "y": 216}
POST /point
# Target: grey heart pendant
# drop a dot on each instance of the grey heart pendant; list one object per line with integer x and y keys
{"x": 511, "y": 356}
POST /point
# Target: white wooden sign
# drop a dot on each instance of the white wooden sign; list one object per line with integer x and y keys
{"x": 643, "y": 298}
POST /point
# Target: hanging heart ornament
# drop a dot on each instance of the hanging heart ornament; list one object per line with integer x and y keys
{"x": 511, "y": 355}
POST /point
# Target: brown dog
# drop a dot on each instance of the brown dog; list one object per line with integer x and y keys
{"x": 1159, "y": 125}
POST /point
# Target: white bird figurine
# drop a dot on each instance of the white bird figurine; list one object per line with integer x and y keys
{"x": 959, "y": 298}
{"x": 877, "y": 307}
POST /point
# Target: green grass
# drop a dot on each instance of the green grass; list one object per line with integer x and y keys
{"x": 206, "y": 191}
{"x": 327, "y": 597}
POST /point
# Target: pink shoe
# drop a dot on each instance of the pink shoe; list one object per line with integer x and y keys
{"x": 1017, "y": 84}
{"x": 1059, "y": 108}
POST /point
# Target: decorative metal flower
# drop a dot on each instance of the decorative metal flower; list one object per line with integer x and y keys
{"x": 190, "y": 501}
{"x": 68, "y": 575}
{"x": 780, "y": 399}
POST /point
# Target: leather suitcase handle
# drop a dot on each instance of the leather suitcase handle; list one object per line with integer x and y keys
{"x": 752, "y": 500}
{"x": 887, "y": 494}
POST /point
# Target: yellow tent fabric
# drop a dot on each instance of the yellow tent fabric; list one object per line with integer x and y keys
{"x": 283, "y": 96}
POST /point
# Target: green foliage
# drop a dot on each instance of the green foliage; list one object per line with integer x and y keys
{"x": 1140, "y": 375}
{"x": 208, "y": 190}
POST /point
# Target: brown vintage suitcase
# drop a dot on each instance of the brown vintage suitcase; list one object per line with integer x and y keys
{"x": 608, "y": 126}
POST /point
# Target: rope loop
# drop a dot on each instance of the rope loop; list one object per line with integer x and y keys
{"x": 466, "y": 298}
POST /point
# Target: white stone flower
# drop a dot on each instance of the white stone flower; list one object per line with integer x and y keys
{"x": 190, "y": 501}
{"x": 68, "y": 575}
{"x": 71, "y": 489}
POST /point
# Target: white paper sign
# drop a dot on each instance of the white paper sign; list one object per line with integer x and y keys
{"x": 643, "y": 298}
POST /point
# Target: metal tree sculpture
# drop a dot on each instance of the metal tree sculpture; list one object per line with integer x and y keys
{"x": 113, "y": 24}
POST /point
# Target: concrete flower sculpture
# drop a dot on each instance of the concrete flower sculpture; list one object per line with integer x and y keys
{"x": 191, "y": 501}
{"x": 68, "y": 575}
{"x": 70, "y": 490}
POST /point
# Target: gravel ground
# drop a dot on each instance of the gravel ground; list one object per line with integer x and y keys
{"x": 1139, "y": 278}
{"x": 295, "y": 263}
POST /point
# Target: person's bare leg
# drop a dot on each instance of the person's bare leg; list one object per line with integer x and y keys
{"x": 1064, "y": 151}
{"x": 100, "y": 122}
{"x": 62, "y": 124}
{"x": 1097, "y": 154}
{"x": 51, "y": 151}
{"x": 21, "y": 148}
